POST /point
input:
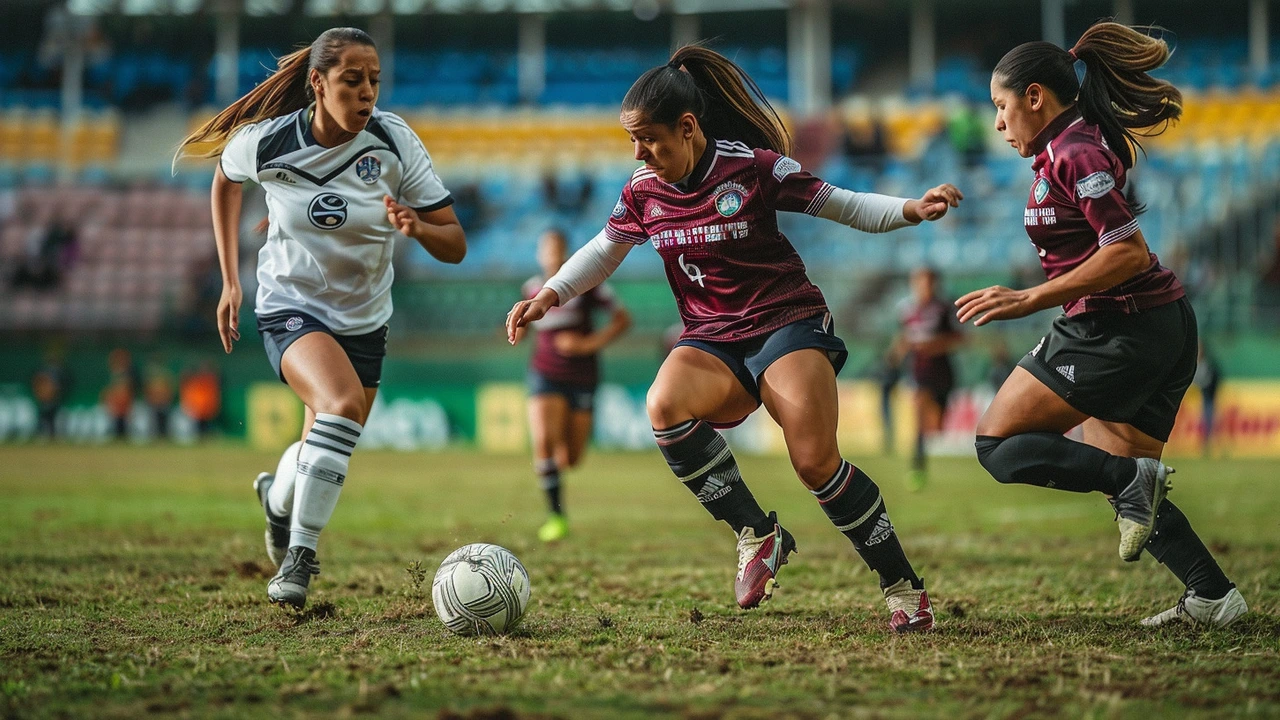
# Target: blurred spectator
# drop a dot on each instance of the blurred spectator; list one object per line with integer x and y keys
{"x": 200, "y": 394}
{"x": 469, "y": 205}
{"x": 122, "y": 386}
{"x": 563, "y": 199}
{"x": 48, "y": 254}
{"x": 864, "y": 142}
{"x": 1001, "y": 364}
{"x": 1208, "y": 376}
{"x": 49, "y": 387}
{"x": 158, "y": 392}
{"x": 967, "y": 132}
{"x": 888, "y": 374}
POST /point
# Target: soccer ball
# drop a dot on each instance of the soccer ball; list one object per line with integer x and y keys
{"x": 480, "y": 589}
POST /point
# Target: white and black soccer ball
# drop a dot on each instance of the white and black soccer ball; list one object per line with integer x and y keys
{"x": 480, "y": 589}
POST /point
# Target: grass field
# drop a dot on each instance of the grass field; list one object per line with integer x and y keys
{"x": 132, "y": 583}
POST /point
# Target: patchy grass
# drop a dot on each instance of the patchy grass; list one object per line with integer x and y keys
{"x": 132, "y": 583}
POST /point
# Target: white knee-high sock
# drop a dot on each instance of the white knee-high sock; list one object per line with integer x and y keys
{"x": 280, "y": 497}
{"x": 322, "y": 468}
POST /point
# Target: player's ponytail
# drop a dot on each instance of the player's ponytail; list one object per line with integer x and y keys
{"x": 727, "y": 102}
{"x": 287, "y": 90}
{"x": 1117, "y": 94}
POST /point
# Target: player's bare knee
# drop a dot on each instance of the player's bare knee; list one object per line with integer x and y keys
{"x": 351, "y": 406}
{"x": 815, "y": 469}
{"x": 664, "y": 409}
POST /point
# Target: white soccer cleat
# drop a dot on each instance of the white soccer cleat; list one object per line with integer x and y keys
{"x": 909, "y": 608}
{"x": 277, "y": 534}
{"x": 1137, "y": 504}
{"x": 1198, "y": 611}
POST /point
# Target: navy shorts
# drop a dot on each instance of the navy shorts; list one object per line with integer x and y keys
{"x": 1130, "y": 368}
{"x": 748, "y": 359}
{"x": 366, "y": 352}
{"x": 581, "y": 397}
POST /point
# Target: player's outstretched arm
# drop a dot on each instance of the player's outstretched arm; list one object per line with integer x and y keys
{"x": 438, "y": 231}
{"x": 591, "y": 265}
{"x": 875, "y": 213}
{"x": 1110, "y": 266}
{"x": 226, "y": 198}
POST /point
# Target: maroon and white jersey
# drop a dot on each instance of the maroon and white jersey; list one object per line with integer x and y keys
{"x": 1076, "y": 206}
{"x": 574, "y": 316}
{"x": 922, "y": 323}
{"x": 734, "y": 275}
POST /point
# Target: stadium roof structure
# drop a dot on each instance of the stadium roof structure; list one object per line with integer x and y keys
{"x": 323, "y": 8}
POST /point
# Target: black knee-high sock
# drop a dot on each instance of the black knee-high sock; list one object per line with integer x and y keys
{"x": 1054, "y": 461}
{"x": 1177, "y": 546}
{"x": 852, "y": 501}
{"x": 700, "y": 457}
{"x": 549, "y": 478}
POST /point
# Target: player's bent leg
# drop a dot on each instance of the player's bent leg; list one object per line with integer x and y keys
{"x": 275, "y": 495}
{"x": 799, "y": 390}
{"x": 319, "y": 371}
{"x": 692, "y": 389}
{"x": 580, "y": 425}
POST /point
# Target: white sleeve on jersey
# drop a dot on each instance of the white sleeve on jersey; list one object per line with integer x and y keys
{"x": 240, "y": 156}
{"x": 867, "y": 212}
{"x": 587, "y": 268}
{"x": 420, "y": 187}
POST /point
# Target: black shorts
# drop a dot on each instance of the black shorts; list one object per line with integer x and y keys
{"x": 938, "y": 382}
{"x": 1127, "y": 368}
{"x": 580, "y": 397}
{"x": 366, "y": 352}
{"x": 748, "y": 359}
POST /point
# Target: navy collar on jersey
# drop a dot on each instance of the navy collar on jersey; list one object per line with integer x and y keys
{"x": 1054, "y": 129}
{"x": 700, "y": 169}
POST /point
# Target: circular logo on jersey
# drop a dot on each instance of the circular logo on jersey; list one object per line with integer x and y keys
{"x": 293, "y": 323}
{"x": 730, "y": 198}
{"x": 1040, "y": 190}
{"x": 369, "y": 168}
{"x": 327, "y": 211}
{"x": 618, "y": 210}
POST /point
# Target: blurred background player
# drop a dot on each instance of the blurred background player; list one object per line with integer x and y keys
{"x": 564, "y": 370}
{"x": 929, "y": 335}
{"x": 1208, "y": 377}
{"x": 1121, "y": 357}
{"x": 757, "y": 331}
{"x": 341, "y": 178}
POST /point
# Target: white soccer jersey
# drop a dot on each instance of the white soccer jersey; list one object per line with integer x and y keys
{"x": 329, "y": 246}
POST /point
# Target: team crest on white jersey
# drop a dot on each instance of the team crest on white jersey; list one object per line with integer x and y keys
{"x": 293, "y": 323}
{"x": 327, "y": 211}
{"x": 369, "y": 168}
{"x": 729, "y": 198}
{"x": 1040, "y": 190}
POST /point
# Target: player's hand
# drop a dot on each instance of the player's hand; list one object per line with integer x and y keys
{"x": 933, "y": 204}
{"x": 229, "y": 314}
{"x": 994, "y": 303}
{"x": 404, "y": 218}
{"x": 528, "y": 311}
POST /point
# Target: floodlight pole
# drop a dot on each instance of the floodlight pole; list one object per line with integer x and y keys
{"x": 72, "y": 96}
{"x": 1258, "y": 36}
{"x": 1053, "y": 22}
{"x": 809, "y": 56}
{"x": 382, "y": 29}
{"x": 531, "y": 57}
{"x": 922, "y": 52}
{"x": 227, "y": 51}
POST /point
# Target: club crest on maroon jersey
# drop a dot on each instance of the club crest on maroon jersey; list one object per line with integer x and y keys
{"x": 729, "y": 198}
{"x": 1040, "y": 190}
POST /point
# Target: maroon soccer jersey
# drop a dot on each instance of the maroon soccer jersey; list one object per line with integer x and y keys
{"x": 573, "y": 316}
{"x": 734, "y": 275}
{"x": 1076, "y": 206}
{"x": 921, "y": 323}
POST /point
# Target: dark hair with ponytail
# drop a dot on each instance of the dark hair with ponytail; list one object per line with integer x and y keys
{"x": 1117, "y": 94}
{"x": 287, "y": 90}
{"x": 727, "y": 102}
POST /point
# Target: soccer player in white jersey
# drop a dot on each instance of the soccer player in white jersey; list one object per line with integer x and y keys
{"x": 342, "y": 180}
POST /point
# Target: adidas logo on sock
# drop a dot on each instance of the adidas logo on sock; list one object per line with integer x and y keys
{"x": 1067, "y": 371}
{"x": 882, "y": 530}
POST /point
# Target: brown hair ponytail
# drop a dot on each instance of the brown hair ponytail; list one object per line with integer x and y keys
{"x": 1117, "y": 94}
{"x": 727, "y": 102}
{"x": 287, "y": 90}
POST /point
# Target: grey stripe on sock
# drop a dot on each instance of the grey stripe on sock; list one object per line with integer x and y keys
{"x": 720, "y": 457}
{"x": 338, "y": 450}
{"x": 331, "y": 436}
{"x": 874, "y": 506}
{"x": 354, "y": 433}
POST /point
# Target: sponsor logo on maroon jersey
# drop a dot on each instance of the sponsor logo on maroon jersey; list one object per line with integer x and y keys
{"x": 1096, "y": 185}
{"x": 693, "y": 271}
